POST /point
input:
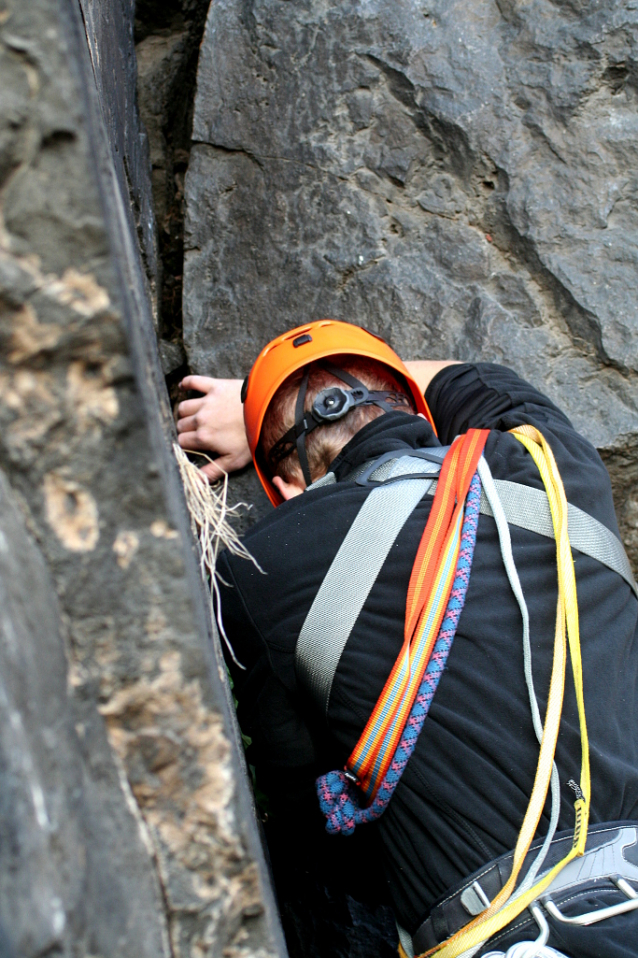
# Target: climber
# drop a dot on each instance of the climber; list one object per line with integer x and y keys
{"x": 348, "y": 442}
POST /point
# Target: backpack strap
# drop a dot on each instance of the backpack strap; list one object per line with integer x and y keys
{"x": 398, "y": 485}
{"x": 528, "y": 508}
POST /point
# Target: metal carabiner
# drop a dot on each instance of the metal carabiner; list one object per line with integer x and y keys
{"x": 591, "y": 917}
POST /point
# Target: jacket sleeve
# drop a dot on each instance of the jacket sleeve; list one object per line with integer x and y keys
{"x": 488, "y": 396}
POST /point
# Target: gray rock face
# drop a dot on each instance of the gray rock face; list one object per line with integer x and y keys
{"x": 64, "y": 840}
{"x": 126, "y": 822}
{"x": 459, "y": 177}
{"x": 167, "y": 37}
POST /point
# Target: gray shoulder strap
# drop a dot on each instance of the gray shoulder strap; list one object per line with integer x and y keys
{"x": 353, "y": 572}
{"x": 365, "y": 548}
{"x": 529, "y": 509}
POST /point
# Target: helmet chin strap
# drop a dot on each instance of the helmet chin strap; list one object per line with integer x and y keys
{"x": 300, "y": 420}
{"x": 331, "y": 405}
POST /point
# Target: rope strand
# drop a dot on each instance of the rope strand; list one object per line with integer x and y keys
{"x": 507, "y": 906}
{"x": 339, "y": 799}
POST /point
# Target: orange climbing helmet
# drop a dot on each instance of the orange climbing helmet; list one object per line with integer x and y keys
{"x": 298, "y": 348}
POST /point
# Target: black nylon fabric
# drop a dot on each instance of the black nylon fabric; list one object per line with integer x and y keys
{"x": 462, "y": 798}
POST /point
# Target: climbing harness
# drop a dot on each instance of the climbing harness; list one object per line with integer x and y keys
{"x": 523, "y": 949}
{"x": 529, "y": 949}
{"x": 363, "y": 790}
{"x": 609, "y": 864}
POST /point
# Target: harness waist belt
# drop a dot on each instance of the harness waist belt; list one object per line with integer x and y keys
{"x": 611, "y": 855}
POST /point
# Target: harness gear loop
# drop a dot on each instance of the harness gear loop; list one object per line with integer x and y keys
{"x": 506, "y": 905}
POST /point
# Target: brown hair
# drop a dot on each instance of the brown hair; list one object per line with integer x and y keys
{"x": 324, "y": 443}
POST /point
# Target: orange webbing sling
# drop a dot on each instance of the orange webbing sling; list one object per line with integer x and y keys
{"x": 506, "y": 905}
{"x": 428, "y": 593}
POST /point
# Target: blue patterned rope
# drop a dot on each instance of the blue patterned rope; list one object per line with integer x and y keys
{"x": 338, "y": 796}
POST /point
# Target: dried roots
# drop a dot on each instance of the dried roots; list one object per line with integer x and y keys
{"x": 209, "y": 514}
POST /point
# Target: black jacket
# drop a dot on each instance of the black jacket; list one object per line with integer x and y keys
{"x": 462, "y": 798}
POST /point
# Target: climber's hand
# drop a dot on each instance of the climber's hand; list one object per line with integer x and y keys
{"x": 214, "y": 423}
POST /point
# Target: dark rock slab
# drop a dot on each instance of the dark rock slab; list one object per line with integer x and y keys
{"x": 109, "y": 33}
{"x": 127, "y": 822}
{"x": 167, "y": 38}
{"x": 459, "y": 177}
{"x": 75, "y": 872}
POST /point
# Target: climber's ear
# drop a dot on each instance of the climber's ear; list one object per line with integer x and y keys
{"x": 288, "y": 488}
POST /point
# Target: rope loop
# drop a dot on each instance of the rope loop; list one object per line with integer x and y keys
{"x": 507, "y": 905}
{"x": 340, "y": 800}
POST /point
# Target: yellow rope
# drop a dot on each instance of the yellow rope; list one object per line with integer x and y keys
{"x": 503, "y": 909}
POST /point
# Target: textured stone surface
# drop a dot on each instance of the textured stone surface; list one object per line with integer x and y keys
{"x": 66, "y": 834}
{"x": 167, "y": 36}
{"x": 124, "y": 806}
{"x": 458, "y": 176}
{"x": 109, "y": 33}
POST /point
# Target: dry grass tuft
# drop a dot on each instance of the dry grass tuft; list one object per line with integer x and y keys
{"x": 209, "y": 513}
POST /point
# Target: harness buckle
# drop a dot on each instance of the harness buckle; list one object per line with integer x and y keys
{"x": 598, "y": 914}
{"x": 432, "y": 457}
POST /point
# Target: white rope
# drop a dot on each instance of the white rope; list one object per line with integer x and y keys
{"x": 538, "y": 948}
{"x": 515, "y": 584}
{"x": 209, "y": 511}
{"x": 524, "y": 949}
{"x": 531, "y": 949}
